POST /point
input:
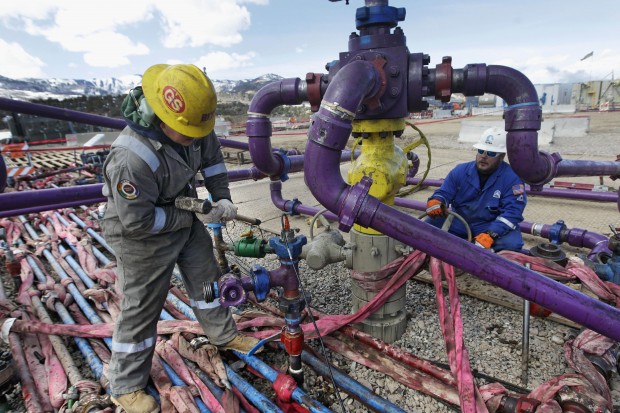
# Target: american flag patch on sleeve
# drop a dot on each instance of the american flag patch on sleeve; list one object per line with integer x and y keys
{"x": 518, "y": 189}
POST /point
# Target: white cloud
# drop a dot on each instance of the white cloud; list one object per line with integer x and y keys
{"x": 101, "y": 33}
{"x": 198, "y": 23}
{"x": 220, "y": 62}
{"x": 16, "y": 63}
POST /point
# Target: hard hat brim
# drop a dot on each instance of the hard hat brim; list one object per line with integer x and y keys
{"x": 149, "y": 81}
{"x": 485, "y": 147}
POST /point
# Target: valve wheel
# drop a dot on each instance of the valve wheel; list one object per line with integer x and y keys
{"x": 448, "y": 223}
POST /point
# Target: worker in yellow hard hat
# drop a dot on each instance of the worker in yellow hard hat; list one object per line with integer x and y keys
{"x": 169, "y": 138}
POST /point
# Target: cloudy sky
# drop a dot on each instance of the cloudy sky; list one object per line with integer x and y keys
{"x": 241, "y": 39}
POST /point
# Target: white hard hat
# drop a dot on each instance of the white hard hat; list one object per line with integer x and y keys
{"x": 492, "y": 139}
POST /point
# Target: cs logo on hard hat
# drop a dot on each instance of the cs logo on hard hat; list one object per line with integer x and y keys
{"x": 489, "y": 140}
{"x": 127, "y": 189}
{"x": 173, "y": 99}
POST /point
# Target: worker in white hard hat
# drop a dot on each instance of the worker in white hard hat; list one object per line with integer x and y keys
{"x": 487, "y": 193}
{"x": 169, "y": 138}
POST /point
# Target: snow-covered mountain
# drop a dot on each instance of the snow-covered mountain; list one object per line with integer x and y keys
{"x": 31, "y": 89}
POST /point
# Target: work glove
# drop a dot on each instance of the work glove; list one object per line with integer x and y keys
{"x": 223, "y": 210}
{"x": 484, "y": 240}
{"x": 436, "y": 209}
{"x": 229, "y": 210}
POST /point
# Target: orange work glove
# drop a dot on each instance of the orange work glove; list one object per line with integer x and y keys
{"x": 436, "y": 209}
{"x": 484, "y": 240}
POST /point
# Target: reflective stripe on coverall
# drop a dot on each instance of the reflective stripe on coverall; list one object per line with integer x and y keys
{"x": 149, "y": 235}
{"x": 498, "y": 207}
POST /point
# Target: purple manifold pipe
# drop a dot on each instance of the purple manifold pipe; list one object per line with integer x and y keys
{"x": 60, "y": 113}
{"x": 547, "y": 192}
{"x": 575, "y": 237}
{"x": 296, "y": 163}
{"x": 2, "y": 174}
{"x": 328, "y": 135}
{"x": 523, "y": 117}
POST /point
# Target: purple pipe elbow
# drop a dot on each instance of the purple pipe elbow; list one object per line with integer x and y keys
{"x": 327, "y": 137}
{"x": 294, "y": 207}
{"x": 330, "y": 130}
{"x": 523, "y": 118}
{"x": 258, "y": 125}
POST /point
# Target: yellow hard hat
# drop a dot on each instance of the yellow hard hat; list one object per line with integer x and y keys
{"x": 182, "y": 96}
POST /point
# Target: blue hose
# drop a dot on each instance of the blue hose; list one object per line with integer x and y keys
{"x": 84, "y": 346}
{"x": 181, "y": 306}
{"x": 271, "y": 374}
{"x": 98, "y": 254}
{"x": 258, "y": 399}
{"x": 351, "y": 386}
{"x": 213, "y": 388}
{"x": 92, "y": 233}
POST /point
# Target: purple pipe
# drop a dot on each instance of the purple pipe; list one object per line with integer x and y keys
{"x": 546, "y": 192}
{"x": 60, "y": 113}
{"x": 40, "y": 208}
{"x": 2, "y": 174}
{"x": 328, "y": 135}
{"x": 27, "y": 199}
{"x": 295, "y": 206}
{"x": 296, "y": 165}
{"x": 258, "y": 125}
{"x": 230, "y": 143}
{"x": 575, "y": 237}
{"x": 523, "y": 118}
{"x": 588, "y": 168}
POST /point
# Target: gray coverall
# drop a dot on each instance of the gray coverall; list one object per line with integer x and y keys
{"x": 149, "y": 236}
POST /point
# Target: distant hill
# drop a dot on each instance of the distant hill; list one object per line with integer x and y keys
{"x": 40, "y": 89}
{"x": 104, "y": 96}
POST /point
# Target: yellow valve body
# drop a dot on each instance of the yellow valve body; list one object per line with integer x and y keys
{"x": 381, "y": 160}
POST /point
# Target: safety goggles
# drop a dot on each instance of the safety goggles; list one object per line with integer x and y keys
{"x": 490, "y": 154}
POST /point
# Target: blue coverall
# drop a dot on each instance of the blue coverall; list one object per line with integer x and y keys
{"x": 498, "y": 207}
